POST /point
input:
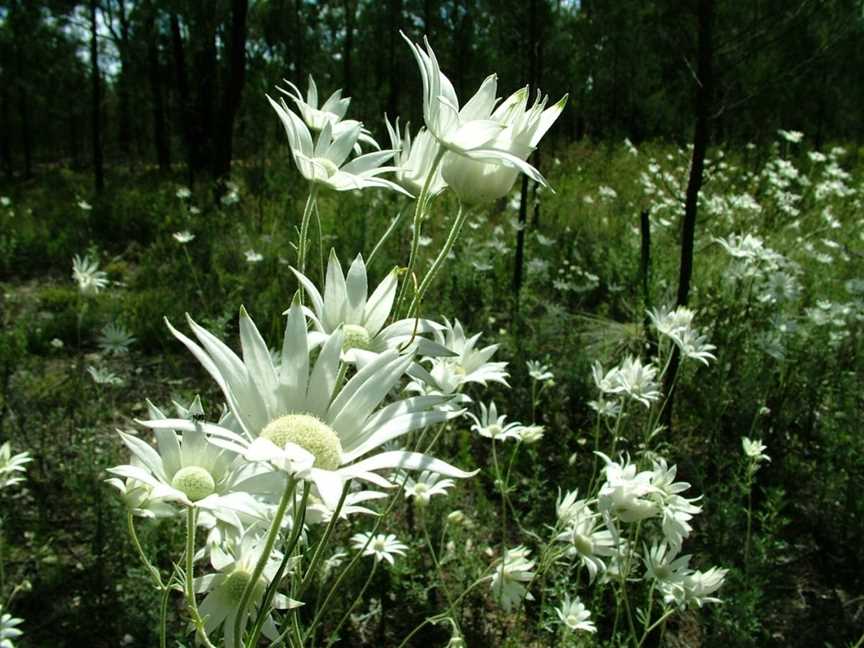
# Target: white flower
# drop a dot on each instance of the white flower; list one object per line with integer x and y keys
{"x": 631, "y": 378}
{"x": 86, "y": 273}
{"x": 253, "y": 257}
{"x": 698, "y": 586}
{"x": 626, "y": 492}
{"x": 585, "y": 533}
{"x": 114, "y": 339}
{"x": 184, "y": 468}
{"x": 426, "y": 486}
{"x": 9, "y": 629}
{"x": 755, "y": 450}
{"x": 346, "y": 303}
{"x": 414, "y": 159}
{"x": 793, "y": 137}
{"x": 676, "y": 511}
{"x": 492, "y": 426}
{"x": 83, "y": 205}
{"x": 529, "y": 434}
{"x": 324, "y": 162}
{"x": 695, "y": 346}
{"x": 317, "y": 512}
{"x": 487, "y": 147}
{"x": 575, "y": 616}
{"x": 5, "y": 201}
{"x": 448, "y": 375}
{"x": 12, "y": 467}
{"x": 668, "y": 570}
{"x": 513, "y": 569}
{"x": 183, "y": 237}
{"x": 225, "y": 589}
{"x": 382, "y": 547}
{"x": 538, "y": 371}
{"x": 331, "y": 111}
{"x": 301, "y": 407}
{"x": 671, "y": 322}
{"x": 57, "y": 343}
{"x": 183, "y": 193}
{"x": 479, "y": 177}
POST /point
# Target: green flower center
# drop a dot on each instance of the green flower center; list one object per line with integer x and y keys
{"x": 194, "y": 482}
{"x": 311, "y": 434}
{"x": 235, "y": 584}
{"x": 355, "y": 337}
{"x": 583, "y": 545}
{"x": 494, "y": 430}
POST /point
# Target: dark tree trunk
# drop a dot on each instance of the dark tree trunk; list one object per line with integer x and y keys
{"x": 123, "y": 84}
{"x": 202, "y": 39}
{"x": 96, "y": 108}
{"x": 5, "y": 117}
{"x": 519, "y": 260}
{"x": 160, "y": 132}
{"x": 24, "y": 109}
{"x": 395, "y": 78}
{"x": 182, "y": 81}
{"x": 233, "y": 89}
{"x": 350, "y": 8}
{"x": 701, "y": 134}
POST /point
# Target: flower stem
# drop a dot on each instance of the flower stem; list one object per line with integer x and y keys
{"x": 304, "y": 228}
{"x": 459, "y": 221}
{"x": 275, "y": 526}
{"x": 319, "y": 549}
{"x": 419, "y": 210}
{"x": 390, "y": 229}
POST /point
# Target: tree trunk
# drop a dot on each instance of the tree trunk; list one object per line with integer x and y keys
{"x": 5, "y": 117}
{"x": 519, "y": 259}
{"x": 395, "y": 78}
{"x": 350, "y": 9}
{"x": 124, "y": 83}
{"x": 24, "y": 109}
{"x": 233, "y": 92}
{"x": 96, "y": 109}
{"x": 160, "y": 132}
{"x": 182, "y": 81}
{"x": 704, "y": 88}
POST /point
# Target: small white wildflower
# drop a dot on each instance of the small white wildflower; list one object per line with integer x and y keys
{"x": 102, "y": 376}
{"x": 253, "y": 257}
{"x": 513, "y": 569}
{"x": 575, "y": 616}
{"x": 529, "y": 434}
{"x": 183, "y": 193}
{"x": 57, "y": 343}
{"x": 492, "y": 426}
{"x": 425, "y": 486}
{"x": 83, "y": 205}
{"x": 382, "y": 547}
{"x": 791, "y": 136}
{"x": 538, "y": 371}
{"x": 86, "y": 273}
{"x": 183, "y": 237}
{"x": 755, "y": 450}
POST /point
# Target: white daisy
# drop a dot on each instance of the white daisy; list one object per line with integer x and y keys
{"x": 426, "y": 486}
{"x": 513, "y": 569}
{"x": 382, "y": 547}
{"x": 575, "y": 615}
{"x": 301, "y": 411}
{"x": 415, "y": 158}
{"x": 346, "y": 303}
{"x": 12, "y": 467}
{"x": 86, "y": 273}
{"x": 183, "y": 237}
{"x": 9, "y": 629}
{"x": 492, "y": 426}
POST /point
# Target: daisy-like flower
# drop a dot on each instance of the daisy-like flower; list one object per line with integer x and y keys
{"x": 480, "y": 177}
{"x": 492, "y": 426}
{"x": 695, "y": 346}
{"x": 86, "y": 273}
{"x": 575, "y": 615}
{"x": 668, "y": 570}
{"x": 137, "y": 496}
{"x": 626, "y": 493}
{"x": 426, "y": 486}
{"x": 671, "y": 322}
{"x": 253, "y": 257}
{"x": 469, "y": 364}
{"x": 346, "y": 303}
{"x": 539, "y": 371}
{"x": 308, "y": 414}
{"x": 183, "y": 193}
{"x": 115, "y": 339}
{"x": 225, "y": 589}
{"x": 631, "y": 378}
{"x": 676, "y": 511}
{"x": 415, "y": 159}
{"x": 184, "y": 468}
{"x": 791, "y": 136}
{"x": 318, "y": 513}
{"x": 381, "y": 546}
{"x": 529, "y": 434}
{"x": 183, "y": 237}
{"x": 488, "y": 146}
{"x": 9, "y": 629}
{"x": 699, "y": 586}
{"x": 325, "y": 162}
{"x": 755, "y": 450}
{"x": 331, "y": 112}
{"x": 83, "y": 205}
{"x": 513, "y": 570}
{"x": 12, "y": 467}
{"x": 585, "y": 533}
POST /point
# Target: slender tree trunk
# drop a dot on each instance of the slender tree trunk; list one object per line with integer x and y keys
{"x": 519, "y": 260}
{"x": 202, "y": 38}
{"x": 182, "y": 81}
{"x": 395, "y": 78}
{"x": 98, "y": 165}
{"x": 5, "y": 117}
{"x": 350, "y": 9}
{"x": 701, "y": 134}
{"x": 24, "y": 109}
{"x": 233, "y": 89}
{"x": 123, "y": 83}
{"x": 160, "y": 132}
